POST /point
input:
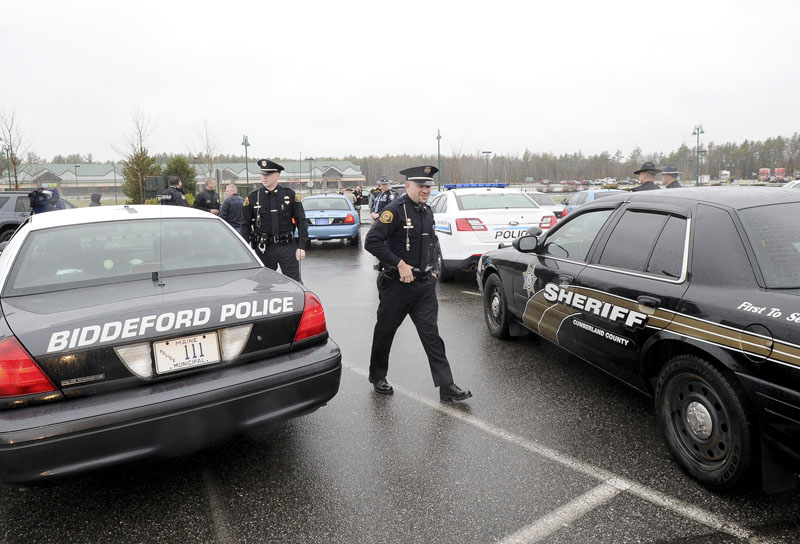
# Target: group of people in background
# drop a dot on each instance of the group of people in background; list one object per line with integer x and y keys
{"x": 647, "y": 177}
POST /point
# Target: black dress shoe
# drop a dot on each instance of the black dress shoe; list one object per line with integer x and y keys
{"x": 382, "y": 386}
{"x": 453, "y": 392}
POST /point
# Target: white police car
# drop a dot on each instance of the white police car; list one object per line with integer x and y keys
{"x": 471, "y": 219}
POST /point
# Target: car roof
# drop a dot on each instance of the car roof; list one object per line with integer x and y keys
{"x": 734, "y": 197}
{"x": 479, "y": 190}
{"x": 98, "y": 214}
{"x": 327, "y": 195}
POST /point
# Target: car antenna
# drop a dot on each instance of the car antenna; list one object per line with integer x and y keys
{"x": 159, "y": 276}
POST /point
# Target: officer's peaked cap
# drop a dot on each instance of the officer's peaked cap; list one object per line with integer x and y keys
{"x": 420, "y": 174}
{"x": 268, "y": 167}
{"x": 648, "y": 167}
{"x": 384, "y": 181}
{"x": 670, "y": 169}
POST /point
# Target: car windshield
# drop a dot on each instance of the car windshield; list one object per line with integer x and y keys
{"x": 541, "y": 200}
{"x": 73, "y": 256}
{"x": 324, "y": 204}
{"x": 775, "y": 239}
{"x": 491, "y": 201}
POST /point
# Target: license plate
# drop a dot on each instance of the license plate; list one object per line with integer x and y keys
{"x": 187, "y": 352}
{"x": 322, "y": 221}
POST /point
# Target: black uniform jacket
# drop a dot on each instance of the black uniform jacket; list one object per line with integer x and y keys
{"x": 391, "y": 241}
{"x": 206, "y": 200}
{"x": 648, "y": 186}
{"x": 282, "y": 201}
{"x": 174, "y": 197}
{"x": 674, "y": 185}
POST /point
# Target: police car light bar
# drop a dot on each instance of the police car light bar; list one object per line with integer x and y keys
{"x": 472, "y": 185}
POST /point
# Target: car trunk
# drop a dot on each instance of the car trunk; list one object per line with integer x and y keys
{"x": 72, "y": 334}
{"x": 508, "y": 224}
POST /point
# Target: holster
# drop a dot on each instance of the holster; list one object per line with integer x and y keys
{"x": 387, "y": 275}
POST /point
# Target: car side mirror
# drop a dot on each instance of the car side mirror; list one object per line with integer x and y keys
{"x": 526, "y": 244}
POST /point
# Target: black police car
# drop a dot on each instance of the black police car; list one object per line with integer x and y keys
{"x": 138, "y": 332}
{"x": 689, "y": 295}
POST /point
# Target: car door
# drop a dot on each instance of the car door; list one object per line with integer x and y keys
{"x": 632, "y": 286}
{"x": 544, "y": 275}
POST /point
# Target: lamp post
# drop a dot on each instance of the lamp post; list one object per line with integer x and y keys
{"x": 487, "y": 153}
{"x": 246, "y": 144}
{"x": 76, "y": 179}
{"x": 439, "y": 158}
{"x": 310, "y": 176}
{"x": 115, "y": 181}
{"x": 698, "y": 130}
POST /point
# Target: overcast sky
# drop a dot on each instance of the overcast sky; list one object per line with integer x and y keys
{"x": 336, "y": 78}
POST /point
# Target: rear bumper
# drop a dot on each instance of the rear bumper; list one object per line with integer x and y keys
{"x": 164, "y": 419}
{"x": 332, "y": 232}
{"x": 470, "y": 263}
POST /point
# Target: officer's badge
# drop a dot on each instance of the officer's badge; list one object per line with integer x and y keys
{"x": 246, "y": 201}
{"x": 427, "y": 170}
{"x": 287, "y": 200}
{"x": 386, "y": 217}
{"x": 529, "y": 279}
{"x": 296, "y": 197}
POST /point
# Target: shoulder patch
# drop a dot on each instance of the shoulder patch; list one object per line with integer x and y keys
{"x": 246, "y": 201}
{"x": 286, "y": 199}
{"x": 386, "y": 217}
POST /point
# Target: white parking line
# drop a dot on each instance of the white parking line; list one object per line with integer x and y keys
{"x": 559, "y": 518}
{"x": 471, "y": 293}
{"x": 652, "y": 496}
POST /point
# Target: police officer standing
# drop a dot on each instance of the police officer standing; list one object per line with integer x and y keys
{"x": 669, "y": 177}
{"x": 404, "y": 241}
{"x": 270, "y": 214}
{"x": 207, "y": 199}
{"x": 174, "y": 196}
{"x": 647, "y": 177}
{"x": 385, "y": 196}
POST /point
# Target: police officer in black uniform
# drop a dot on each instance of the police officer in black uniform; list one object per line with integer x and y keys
{"x": 647, "y": 177}
{"x": 404, "y": 241}
{"x": 174, "y": 196}
{"x": 383, "y": 198}
{"x": 270, "y": 214}
{"x": 669, "y": 177}
{"x": 208, "y": 199}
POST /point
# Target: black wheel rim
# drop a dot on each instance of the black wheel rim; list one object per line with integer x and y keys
{"x": 699, "y": 421}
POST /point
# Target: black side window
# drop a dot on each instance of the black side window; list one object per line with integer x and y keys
{"x": 667, "y": 259}
{"x": 717, "y": 248}
{"x": 574, "y": 239}
{"x": 632, "y": 242}
{"x": 3, "y": 200}
{"x": 23, "y": 204}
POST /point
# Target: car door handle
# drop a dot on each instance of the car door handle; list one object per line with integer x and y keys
{"x": 565, "y": 279}
{"x": 649, "y": 302}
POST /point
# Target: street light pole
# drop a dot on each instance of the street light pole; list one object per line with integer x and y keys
{"x": 487, "y": 153}
{"x": 8, "y": 165}
{"x": 310, "y": 176}
{"x": 246, "y": 144}
{"x": 115, "y": 181}
{"x": 698, "y": 130}
{"x": 439, "y": 157}
{"x": 76, "y": 179}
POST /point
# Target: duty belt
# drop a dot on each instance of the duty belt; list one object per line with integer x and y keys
{"x": 263, "y": 240}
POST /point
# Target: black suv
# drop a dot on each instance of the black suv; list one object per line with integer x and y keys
{"x": 691, "y": 296}
{"x": 15, "y": 207}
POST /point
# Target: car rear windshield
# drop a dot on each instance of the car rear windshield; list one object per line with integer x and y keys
{"x": 775, "y": 239}
{"x": 541, "y": 200}
{"x": 116, "y": 251}
{"x": 601, "y": 194}
{"x": 325, "y": 204}
{"x": 494, "y": 201}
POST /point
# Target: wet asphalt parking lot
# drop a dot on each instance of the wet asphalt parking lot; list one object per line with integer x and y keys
{"x": 548, "y": 450}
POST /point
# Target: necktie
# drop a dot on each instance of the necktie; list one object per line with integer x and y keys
{"x": 425, "y": 241}
{"x": 273, "y": 213}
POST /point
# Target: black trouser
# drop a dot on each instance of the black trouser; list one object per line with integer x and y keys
{"x": 284, "y": 255}
{"x": 417, "y": 299}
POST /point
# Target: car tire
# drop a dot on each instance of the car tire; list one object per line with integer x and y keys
{"x": 495, "y": 307}
{"x": 708, "y": 426}
{"x": 355, "y": 239}
{"x": 445, "y": 275}
{"x": 6, "y": 235}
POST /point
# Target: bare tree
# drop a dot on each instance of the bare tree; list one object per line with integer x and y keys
{"x": 13, "y": 143}
{"x": 138, "y": 164}
{"x": 209, "y": 149}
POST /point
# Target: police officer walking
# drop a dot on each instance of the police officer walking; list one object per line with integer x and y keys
{"x": 647, "y": 177}
{"x": 174, "y": 196}
{"x": 231, "y": 210}
{"x": 669, "y": 177}
{"x": 404, "y": 241}
{"x": 207, "y": 199}
{"x": 385, "y": 196}
{"x": 270, "y": 214}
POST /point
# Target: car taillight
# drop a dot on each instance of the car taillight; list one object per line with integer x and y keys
{"x": 350, "y": 219}
{"x": 470, "y": 224}
{"x": 19, "y": 373}
{"x": 313, "y": 321}
{"x": 564, "y": 213}
{"x": 547, "y": 222}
